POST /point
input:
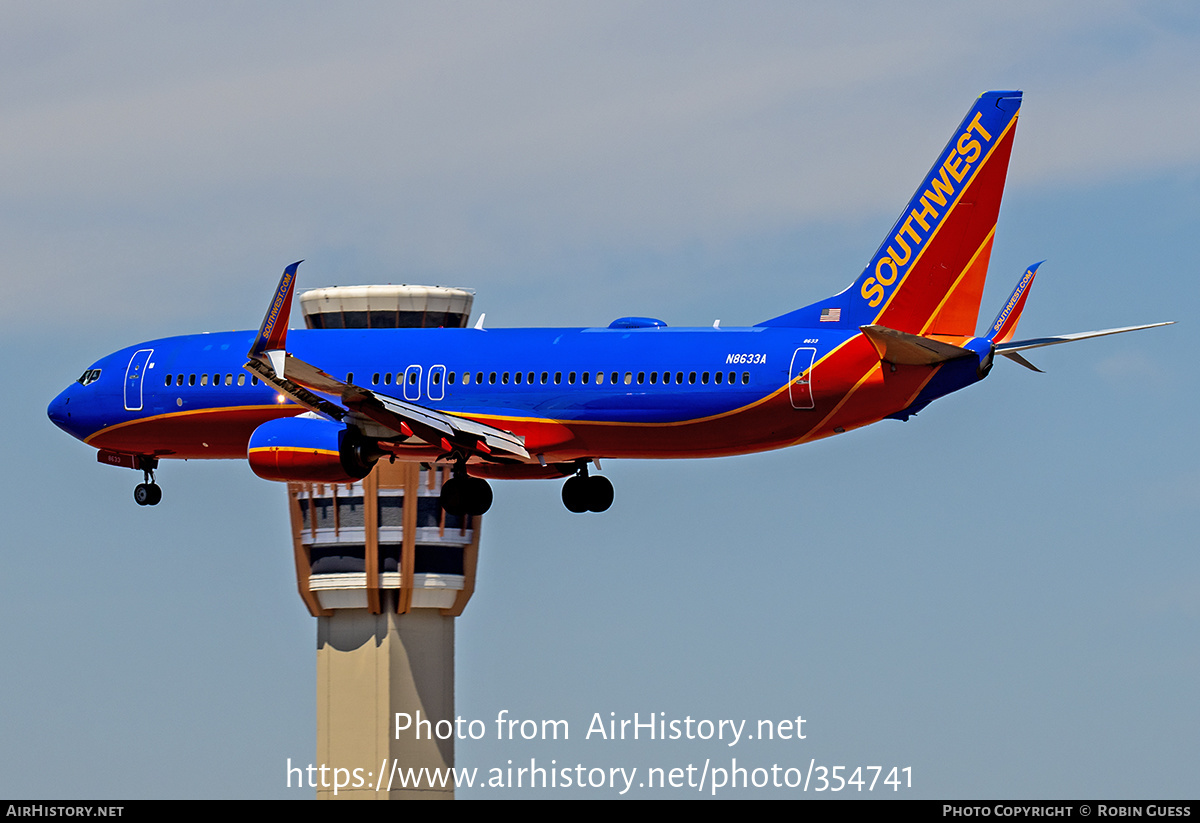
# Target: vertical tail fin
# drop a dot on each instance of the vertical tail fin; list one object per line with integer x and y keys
{"x": 927, "y": 276}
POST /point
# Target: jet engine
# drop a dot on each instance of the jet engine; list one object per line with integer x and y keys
{"x": 310, "y": 449}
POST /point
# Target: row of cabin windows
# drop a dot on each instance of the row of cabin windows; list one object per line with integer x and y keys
{"x": 529, "y": 378}
{"x": 517, "y": 378}
{"x": 178, "y": 379}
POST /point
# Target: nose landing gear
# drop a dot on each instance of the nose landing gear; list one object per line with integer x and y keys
{"x": 587, "y": 493}
{"x": 148, "y": 493}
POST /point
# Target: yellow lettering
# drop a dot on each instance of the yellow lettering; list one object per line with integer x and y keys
{"x": 976, "y": 126}
{"x": 955, "y": 166}
{"x": 972, "y": 148}
{"x": 885, "y": 281}
{"x": 897, "y": 260}
{"x": 938, "y": 189}
{"x": 928, "y": 210}
{"x": 910, "y": 231}
{"x": 874, "y": 294}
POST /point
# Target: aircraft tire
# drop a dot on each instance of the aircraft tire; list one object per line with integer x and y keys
{"x": 599, "y": 493}
{"x": 155, "y": 495}
{"x": 141, "y": 494}
{"x": 452, "y": 497}
{"x": 574, "y": 495}
{"x": 478, "y": 494}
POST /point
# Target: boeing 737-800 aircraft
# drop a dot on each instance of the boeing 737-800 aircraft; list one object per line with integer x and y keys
{"x": 325, "y": 405}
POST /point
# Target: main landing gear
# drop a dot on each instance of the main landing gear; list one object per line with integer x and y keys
{"x": 587, "y": 493}
{"x": 148, "y": 493}
{"x": 463, "y": 494}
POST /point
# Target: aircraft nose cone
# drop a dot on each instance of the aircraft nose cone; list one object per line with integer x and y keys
{"x": 59, "y": 410}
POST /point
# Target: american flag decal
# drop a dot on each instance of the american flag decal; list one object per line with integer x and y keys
{"x": 831, "y": 315}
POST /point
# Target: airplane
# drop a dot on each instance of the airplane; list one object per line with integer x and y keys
{"x": 325, "y": 405}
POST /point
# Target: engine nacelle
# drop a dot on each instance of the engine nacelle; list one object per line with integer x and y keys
{"x": 309, "y": 449}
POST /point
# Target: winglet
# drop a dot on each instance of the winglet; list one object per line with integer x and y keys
{"x": 272, "y": 335}
{"x": 1005, "y": 324}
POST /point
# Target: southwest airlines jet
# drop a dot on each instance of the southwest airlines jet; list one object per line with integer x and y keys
{"x": 324, "y": 405}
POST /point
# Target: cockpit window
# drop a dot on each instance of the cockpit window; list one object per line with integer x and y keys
{"x": 89, "y": 376}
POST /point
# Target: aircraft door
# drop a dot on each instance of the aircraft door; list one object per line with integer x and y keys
{"x": 412, "y": 383}
{"x": 436, "y": 389}
{"x": 133, "y": 379}
{"x": 800, "y": 387}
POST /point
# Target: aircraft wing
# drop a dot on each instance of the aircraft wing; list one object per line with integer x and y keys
{"x": 432, "y": 426}
{"x": 394, "y": 418}
{"x": 400, "y": 419}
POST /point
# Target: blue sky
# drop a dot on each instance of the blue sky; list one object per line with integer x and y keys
{"x": 1001, "y": 593}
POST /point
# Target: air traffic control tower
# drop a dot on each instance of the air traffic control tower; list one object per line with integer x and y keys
{"x": 385, "y": 571}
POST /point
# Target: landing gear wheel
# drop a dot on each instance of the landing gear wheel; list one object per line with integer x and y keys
{"x": 478, "y": 495}
{"x": 575, "y": 494}
{"x": 147, "y": 494}
{"x": 452, "y": 499}
{"x": 599, "y": 493}
{"x": 466, "y": 495}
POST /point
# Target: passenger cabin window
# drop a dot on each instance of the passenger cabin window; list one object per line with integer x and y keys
{"x": 204, "y": 380}
{"x": 241, "y": 379}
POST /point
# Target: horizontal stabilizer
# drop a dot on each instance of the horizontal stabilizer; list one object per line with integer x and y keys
{"x": 1038, "y": 342}
{"x": 1010, "y": 350}
{"x": 907, "y": 349}
{"x": 1016, "y": 358}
